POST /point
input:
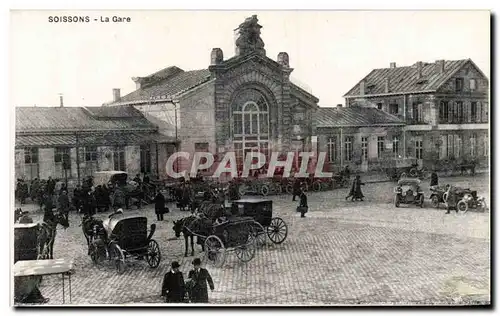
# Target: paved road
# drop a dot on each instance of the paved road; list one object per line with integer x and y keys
{"x": 342, "y": 253}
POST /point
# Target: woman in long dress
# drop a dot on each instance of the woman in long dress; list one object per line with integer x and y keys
{"x": 355, "y": 193}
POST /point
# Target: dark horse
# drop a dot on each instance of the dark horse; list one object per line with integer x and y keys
{"x": 47, "y": 235}
{"x": 189, "y": 227}
{"x": 91, "y": 227}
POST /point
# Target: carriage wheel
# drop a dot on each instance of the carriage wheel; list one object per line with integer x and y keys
{"x": 246, "y": 252}
{"x": 153, "y": 256}
{"x": 435, "y": 201}
{"x": 259, "y": 234}
{"x": 289, "y": 189}
{"x": 462, "y": 206}
{"x": 277, "y": 230}
{"x": 264, "y": 190}
{"x": 316, "y": 186}
{"x": 215, "y": 252}
{"x": 118, "y": 258}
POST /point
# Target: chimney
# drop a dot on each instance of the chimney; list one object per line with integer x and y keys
{"x": 393, "y": 65}
{"x": 61, "y": 102}
{"x": 284, "y": 60}
{"x": 362, "y": 87}
{"x": 387, "y": 82}
{"x": 216, "y": 56}
{"x": 116, "y": 95}
{"x": 440, "y": 66}
{"x": 419, "y": 69}
{"x": 138, "y": 82}
{"x": 339, "y": 105}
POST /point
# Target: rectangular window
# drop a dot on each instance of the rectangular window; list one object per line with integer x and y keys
{"x": 459, "y": 84}
{"x": 486, "y": 146}
{"x": 459, "y": 112}
{"x": 443, "y": 150}
{"x": 364, "y": 148}
{"x": 332, "y": 149}
{"x": 485, "y": 112}
{"x": 201, "y": 147}
{"x": 395, "y": 145}
{"x": 119, "y": 158}
{"x": 472, "y": 83}
{"x": 458, "y": 146}
{"x": 473, "y": 111}
{"x": 418, "y": 113}
{"x": 473, "y": 144}
{"x": 379, "y": 106}
{"x": 443, "y": 111}
{"x": 348, "y": 148}
{"x": 380, "y": 146}
{"x": 419, "y": 149}
{"x": 90, "y": 153}
{"x": 237, "y": 124}
{"x": 62, "y": 156}
{"x": 145, "y": 159}
{"x": 394, "y": 109}
{"x": 450, "y": 146}
{"x": 30, "y": 155}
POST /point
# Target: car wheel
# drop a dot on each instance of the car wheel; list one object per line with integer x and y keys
{"x": 462, "y": 206}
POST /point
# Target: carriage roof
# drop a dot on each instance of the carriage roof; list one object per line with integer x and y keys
{"x": 411, "y": 181}
{"x": 126, "y": 221}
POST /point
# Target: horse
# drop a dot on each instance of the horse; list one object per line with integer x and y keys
{"x": 91, "y": 227}
{"x": 47, "y": 235}
{"x": 189, "y": 226}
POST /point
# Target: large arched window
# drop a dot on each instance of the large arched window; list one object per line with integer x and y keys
{"x": 250, "y": 123}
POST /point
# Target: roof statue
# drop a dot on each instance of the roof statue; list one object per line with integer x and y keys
{"x": 249, "y": 37}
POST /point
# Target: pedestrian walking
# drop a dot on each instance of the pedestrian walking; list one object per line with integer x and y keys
{"x": 160, "y": 206}
{"x": 48, "y": 214}
{"x": 355, "y": 193}
{"x": 199, "y": 278}
{"x": 303, "y": 208}
{"x": 63, "y": 202}
{"x": 296, "y": 188}
{"x": 450, "y": 199}
{"x": 51, "y": 186}
{"x": 173, "y": 287}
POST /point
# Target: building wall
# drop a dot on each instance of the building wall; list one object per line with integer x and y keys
{"x": 133, "y": 160}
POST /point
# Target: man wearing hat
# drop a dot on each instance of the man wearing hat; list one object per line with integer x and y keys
{"x": 172, "y": 288}
{"x": 200, "y": 277}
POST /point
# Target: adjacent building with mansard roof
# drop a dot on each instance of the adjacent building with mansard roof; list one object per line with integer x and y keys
{"x": 444, "y": 106}
{"x": 243, "y": 103}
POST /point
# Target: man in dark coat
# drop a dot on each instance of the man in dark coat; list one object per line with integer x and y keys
{"x": 434, "y": 179}
{"x": 200, "y": 277}
{"x": 172, "y": 288}
{"x": 296, "y": 188}
{"x": 303, "y": 203}
{"x": 49, "y": 206}
{"x": 451, "y": 199}
{"x": 160, "y": 206}
{"x": 51, "y": 186}
{"x": 355, "y": 192}
{"x": 63, "y": 202}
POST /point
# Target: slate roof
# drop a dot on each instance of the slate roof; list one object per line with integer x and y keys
{"x": 354, "y": 116}
{"x": 404, "y": 79}
{"x": 61, "y": 119}
{"x": 176, "y": 83}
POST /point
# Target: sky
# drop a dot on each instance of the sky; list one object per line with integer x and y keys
{"x": 330, "y": 51}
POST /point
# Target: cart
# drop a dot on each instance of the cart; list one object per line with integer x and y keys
{"x": 261, "y": 211}
{"x": 125, "y": 237}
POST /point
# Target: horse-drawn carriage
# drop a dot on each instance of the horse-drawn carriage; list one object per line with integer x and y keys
{"x": 261, "y": 186}
{"x": 119, "y": 237}
{"x": 261, "y": 210}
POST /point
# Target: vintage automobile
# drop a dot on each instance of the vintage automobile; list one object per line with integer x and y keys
{"x": 408, "y": 192}
{"x": 437, "y": 195}
{"x": 470, "y": 200}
